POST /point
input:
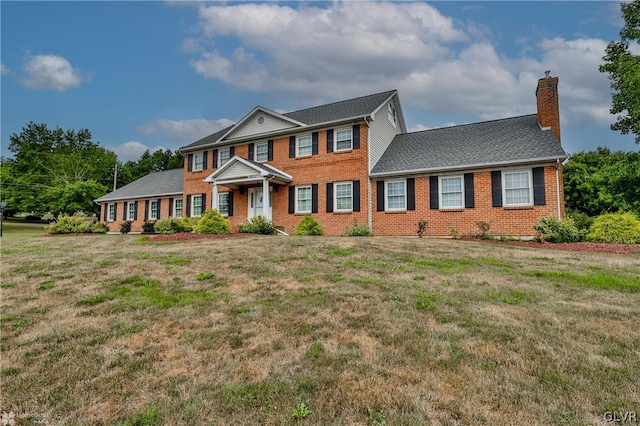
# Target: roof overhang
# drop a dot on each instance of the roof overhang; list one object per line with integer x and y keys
{"x": 136, "y": 197}
{"x": 256, "y": 173}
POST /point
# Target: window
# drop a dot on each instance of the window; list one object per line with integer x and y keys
{"x": 223, "y": 203}
{"x": 343, "y": 196}
{"x": 517, "y": 188}
{"x": 154, "y": 210}
{"x": 198, "y": 162}
{"x": 177, "y": 208}
{"x": 223, "y": 156}
{"x": 132, "y": 211}
{"x": 344, "y": 140}
{"x": 396, "y": 195}
{"x": 196, "y": 208}
{"x": 304, "y": 146}
{"x": 451, "y": 192}
{"x": 262, "y": 152}
{"x": 393, "y": 117}
{"x": 303, "y": 199}
{"x": 112, "y": 212}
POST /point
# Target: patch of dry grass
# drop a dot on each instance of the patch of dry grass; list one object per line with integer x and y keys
{"x": 104, "y": 330}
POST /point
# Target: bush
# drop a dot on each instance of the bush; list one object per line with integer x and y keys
{"x": 359, "y": 230}
{"x": 257, "y": 225}
{"x": 212, "y": 222}
{"x": 582, "y": 220}
{"x": 125, "y": 227}
{"x": 484, "y": 230}
{"x": 552, "y": 230}
{"x": 622, "y": 228}
{"x": 422, "y": 228}
{"x": 75, "y": 224}
{"x": 308, "y": 226}
{"x": 172, "y": 225}
{"x": 148, "y": 227}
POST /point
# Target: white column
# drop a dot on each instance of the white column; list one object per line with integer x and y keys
{"x": 265, "y": 199}
{"x": 214, "y": 196}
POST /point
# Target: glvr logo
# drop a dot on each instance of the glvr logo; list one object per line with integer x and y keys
{"x": 620, "y": 417}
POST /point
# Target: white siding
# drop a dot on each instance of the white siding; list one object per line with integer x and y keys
{"x": 381, "y": 133}
{"x": 252, "y": 127}
{"x": 238, "y": 169}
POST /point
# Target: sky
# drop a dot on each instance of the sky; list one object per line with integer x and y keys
{"x": 156, "y": 75}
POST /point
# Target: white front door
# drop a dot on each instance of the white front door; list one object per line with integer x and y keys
{"x": 256, "y": 203}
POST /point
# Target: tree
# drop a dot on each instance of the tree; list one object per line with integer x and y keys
{"x": 624, "y": 72}
{"x": 147, "y": 163}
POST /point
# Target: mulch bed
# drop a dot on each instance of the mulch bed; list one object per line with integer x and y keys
{"x": 591, "y": 247}
{"x": 183, "y": 236}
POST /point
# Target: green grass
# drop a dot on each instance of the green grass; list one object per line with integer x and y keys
{"x": 598, "y": 280}
{"x": 17, "y": 228}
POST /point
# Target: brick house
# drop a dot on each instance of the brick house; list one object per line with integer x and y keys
{"x": 354, "y": 162}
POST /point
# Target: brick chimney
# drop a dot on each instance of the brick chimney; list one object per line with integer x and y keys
{"x": 548, "y": 111}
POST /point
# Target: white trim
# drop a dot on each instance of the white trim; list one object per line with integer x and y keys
{"x": 157, "y": 201}
{"x": 137, "y": 197}
{"x": 193, "y": 205}
{"x": 173, "y": 210}
{"x": 298, "y": 155}
{"x": 504, "y": 188}
{"x": 558, "y": 189}
{"x": 335, "y": 139}
{"x": 255, "y": 152}
{"x": 246, "y": 118}
{"x": 129, "y": 215}
{"x": 195, "y": 161}
{"x": 440, "y": 206}
{"x": 386, "y": 195}
{"x": 375, "y": 111}
{"x": 111, "y": 217}
{"x": 221, "y": 194}
{"x": 261, "y": 173}
{"x": 220, "y": 163}
{"x": 335, "y": 196}
{"x": 297, "y": 188}
{"x": 392, "y": 114}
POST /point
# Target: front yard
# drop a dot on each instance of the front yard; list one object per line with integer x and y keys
{"x": 112, "y": 329}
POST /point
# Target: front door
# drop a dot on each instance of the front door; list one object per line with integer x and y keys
{"x": 256, "y": 203}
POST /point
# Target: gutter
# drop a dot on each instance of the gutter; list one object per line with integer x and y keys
{"x": 558, "y": 189}
{"x": 135, "y": 197}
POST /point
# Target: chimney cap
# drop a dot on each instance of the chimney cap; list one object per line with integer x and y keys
{"x": 546, "y": 74}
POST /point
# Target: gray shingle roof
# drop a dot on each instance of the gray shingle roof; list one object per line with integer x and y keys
{"x": 358, "y": 107}
{"x": 269, "y": 169}
{"x": 153, "y": 184}
{"x": 516, "y": 139}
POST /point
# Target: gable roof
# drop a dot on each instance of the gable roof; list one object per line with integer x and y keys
{"x": 154, "y": 184}
{"x": 490, "y": 143}
{"x": 343, "y": 110}
{"x": 261, "y": 169}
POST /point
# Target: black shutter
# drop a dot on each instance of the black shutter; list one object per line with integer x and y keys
{"x": 205, "y": 160}
{"x": 190, "y": 162}
{"x": 496, "y": 188}
{"x": 146, "y": 209}
{"x": 232, "y": 151}
{"x": 411, "y": 194}
{"x": 314, "y": 198}
{"x": 330, "y": 140}
{"x": 356, "y": 136}
{"x": 106, "y": 209}
{"x": 230, "y": 203}
{"x": 270, "y": 150}
{"x": 188, "y": 212}
{"x": 115, "y": 211}
{"x": 170, "y": 207}
{"x": 292, "y": 146}
{"x": 251, "y": 145}
{"x": 314, "y": 143}
{"x": 135, "y": 213}
{"x": 204, "y": 203}
{"x": 538, "y": 187}
{"x": 241, "y": 189}
{"x": 215, "y": 158}
{"x": 124, "y": 211}
{"x": 329, "y": 197}
{"x": 380, "y": 195}
{"x": 292, "y": 200}
{"x": 469, "y": 201}
{"x": 434, "y": 202}
{"x": 356, "y": 195}
{"x": 159, "y": 207}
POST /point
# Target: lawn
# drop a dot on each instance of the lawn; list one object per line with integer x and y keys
{"x": 110, "y": 329}
{"x": 12, "y": 228}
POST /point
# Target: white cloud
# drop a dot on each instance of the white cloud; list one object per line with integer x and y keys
{"x": 51, "y": 72}
{"x": 421, "y": 127}
{"x": 186, "y": 131}
{"x": 132, "y": 150}
{"x": 4, "y": 70}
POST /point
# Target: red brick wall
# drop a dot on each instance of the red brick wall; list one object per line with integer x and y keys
{"x": 136, "y": 226}
{"x": 503, "y": 220}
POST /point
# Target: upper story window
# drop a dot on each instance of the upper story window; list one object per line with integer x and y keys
{"x": 344, "y": 139}
{"x": 262, "y": 152}
{"x": 224, "y": 155}
{"x": 343, "y": 196}
{"x": 198, "y": 162}
{"x": 303, "y": 199}
{"x": 517, "y": 188}
{"x": 154, "y": 209}
{"x": 392, "y": 115}
{"x": 304, "y": 146}
{"x": 396, "y": 195}
{"x": 451, "y": 192}
{"x": 177, "y": 207}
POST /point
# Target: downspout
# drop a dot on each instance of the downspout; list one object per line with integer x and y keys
{"x": 558, "y": 188}
{"x": 369, "y": 198}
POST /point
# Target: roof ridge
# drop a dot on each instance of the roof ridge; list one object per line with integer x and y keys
{"x": 338, "y": 102}
{"x": 468, "y": 124}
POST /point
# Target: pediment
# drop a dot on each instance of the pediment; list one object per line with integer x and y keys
{"x": 261, "y": 121}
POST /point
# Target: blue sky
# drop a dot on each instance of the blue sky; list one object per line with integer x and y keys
{"x": 163, "y": 74}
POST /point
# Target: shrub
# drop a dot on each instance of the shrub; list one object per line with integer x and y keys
{"x": 172, "y": 225}
{"x": 622, "y": 228}
{"x": 582, "y": 220}
{"x": 257, "y": 225}
{"x": 148, "y": 227}
{"x": 212, "y": 222}
{"x": 455, "y": 232}
{"x": 125, "y": 227}
{"x": 308, "y": 226}
{"x": 484, "y": 230}
{"x": 75, "y": 224}
{"x": 422, "y": 228}
{"x": 359, "y": 230}
{"x": 552, "y": 230}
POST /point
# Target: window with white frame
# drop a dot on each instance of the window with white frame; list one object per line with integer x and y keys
{"x": 517, "y": 188}
{"x": 451, "y": 192}
{"x": 131, "y": 213}
{"x": 177, "y": 207}
{"x": 112, "y": 212}
{"x": 224, "y": 155}
{"x": 343, "y": 194}
{"x": 223, "y": 203}
{"x": 344, "y": 139}
{"x": 393, "y": 117}
{"x": 304, "y": 146}
{"x": 198, "y": 161}
{"x": 262, "y": 152}
{"x": 154, "y": 209}
{"x": 396, "y": 195}
{"x": 303, "y": 199}
{"x": 196, "y": 205}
